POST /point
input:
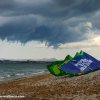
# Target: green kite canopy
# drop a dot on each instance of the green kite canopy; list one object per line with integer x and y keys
{"x": 55, "y": 69}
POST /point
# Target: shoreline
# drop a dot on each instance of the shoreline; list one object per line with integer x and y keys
{"x": 48, "y": 87}
{"x": 23, "y": 77}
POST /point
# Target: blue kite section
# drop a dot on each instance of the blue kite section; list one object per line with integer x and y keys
{"x": 83, "y": 63}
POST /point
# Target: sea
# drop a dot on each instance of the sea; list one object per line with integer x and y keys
{"x": 10, "y": 71}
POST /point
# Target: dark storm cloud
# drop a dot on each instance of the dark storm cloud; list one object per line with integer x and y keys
{"x": 53, "y": 21}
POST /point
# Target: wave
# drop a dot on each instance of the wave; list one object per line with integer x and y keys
{"x": 1, "y": 77}
{"x": 20, "y": 74}
{"x": 37, "y": 73}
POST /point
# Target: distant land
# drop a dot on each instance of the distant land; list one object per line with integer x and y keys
{"x": 29, "y": 61}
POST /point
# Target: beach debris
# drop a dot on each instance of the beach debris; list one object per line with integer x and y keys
{"x": 81, "y": 63}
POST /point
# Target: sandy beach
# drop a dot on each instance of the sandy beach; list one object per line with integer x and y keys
{"x": 49, "y": 87}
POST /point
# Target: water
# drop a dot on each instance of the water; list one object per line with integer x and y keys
{"x": 9, "y": 71}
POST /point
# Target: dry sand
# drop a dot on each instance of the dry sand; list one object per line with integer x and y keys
{"x": 48, "y": 87}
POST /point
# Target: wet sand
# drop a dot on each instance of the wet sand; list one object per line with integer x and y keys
{"x": 49, "y": 87}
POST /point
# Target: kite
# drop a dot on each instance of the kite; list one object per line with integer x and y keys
{"x": 81, "y": 63}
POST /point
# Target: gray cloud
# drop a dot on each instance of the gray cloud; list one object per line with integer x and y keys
{"x": 53, "y": 21}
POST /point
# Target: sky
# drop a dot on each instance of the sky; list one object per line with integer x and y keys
{"x": 45, "y": 29}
